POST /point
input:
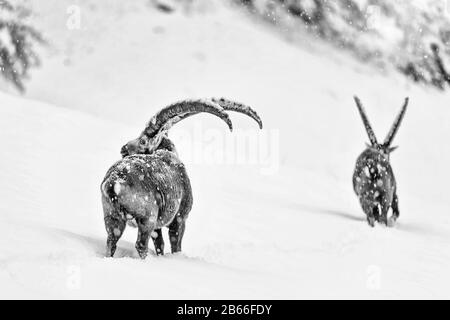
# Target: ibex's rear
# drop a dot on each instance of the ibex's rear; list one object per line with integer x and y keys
{"x": 150, "y": 186}
{"x": 152, "y": 190}
{"x": 373, "y": 179}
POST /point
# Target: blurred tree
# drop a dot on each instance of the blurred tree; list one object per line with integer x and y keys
{"x": 17, "y": 41}
{"x": 413, "y": 39}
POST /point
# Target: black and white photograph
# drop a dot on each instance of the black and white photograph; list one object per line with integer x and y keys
{"x": 224, "y": 151}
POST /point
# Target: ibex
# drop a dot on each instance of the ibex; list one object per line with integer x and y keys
{"x": 149, "y": 186}
{"x": 373, "y": 179}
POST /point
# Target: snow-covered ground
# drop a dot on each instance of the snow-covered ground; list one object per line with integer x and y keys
{"x": 295, "y": 231}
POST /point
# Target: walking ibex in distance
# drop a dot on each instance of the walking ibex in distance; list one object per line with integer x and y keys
{"x": 373, "y": 179}
{"x": 149, "y": 186}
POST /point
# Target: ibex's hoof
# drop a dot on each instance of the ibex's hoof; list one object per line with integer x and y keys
{"x": 371, "y": 221}
{"x": 392, "y": 221}
{"x": 142, "y": 254}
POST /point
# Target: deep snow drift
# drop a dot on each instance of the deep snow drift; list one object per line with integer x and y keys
{"x": 294, "y": 231}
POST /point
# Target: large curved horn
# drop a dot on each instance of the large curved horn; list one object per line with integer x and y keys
{"x": 370, "y": 133}
{"x": 229, "y": 105}
{"x": 390, "y": 136}
{"x": 172, "y": 114}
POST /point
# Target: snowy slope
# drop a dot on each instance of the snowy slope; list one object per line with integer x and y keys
{"x": 295, "y": 233}
{"x": 393, "y": 34}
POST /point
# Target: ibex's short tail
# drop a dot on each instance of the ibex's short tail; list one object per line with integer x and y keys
{"x": 108, "y": 189}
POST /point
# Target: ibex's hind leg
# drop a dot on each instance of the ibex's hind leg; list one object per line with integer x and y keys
{"x": 371, "y": 212}
{"x": 158, "y": 241}
{"x": 144, "y": 232}
{"x": 114, "y": 227}
{"x": 384, "y": 213}
{"x": 176, "y": 232}
{"x": 376, "y": 213}
{"x": 395, "y": 210}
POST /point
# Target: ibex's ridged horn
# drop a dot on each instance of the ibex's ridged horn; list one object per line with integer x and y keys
{"x": 229, "y": 105}
{"x": 370, "y": 133}
{"x": 390, "y": 137}
{"x": 183, "y": 109}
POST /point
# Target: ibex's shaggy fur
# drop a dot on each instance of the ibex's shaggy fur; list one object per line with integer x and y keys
{"x": 150, "y": 186}
{"x": 373, "y": 179}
